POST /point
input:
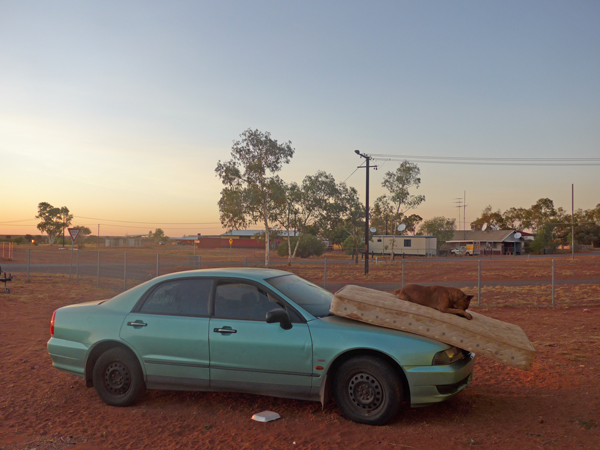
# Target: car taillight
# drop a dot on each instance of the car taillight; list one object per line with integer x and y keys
{"x": 52, "y": 324}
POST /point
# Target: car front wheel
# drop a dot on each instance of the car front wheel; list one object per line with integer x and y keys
{"x": 118, "y": 377}
{"x": 367, "y": 390}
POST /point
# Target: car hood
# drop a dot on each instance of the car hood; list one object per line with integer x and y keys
{"x": 365, "y": 327}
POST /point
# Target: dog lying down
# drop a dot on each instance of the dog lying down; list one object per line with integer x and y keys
{"x": 445, "y": 299}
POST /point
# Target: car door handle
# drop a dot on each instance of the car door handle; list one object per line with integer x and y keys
{"x": 225, "y": 330}
{"x": 137, "y": 323}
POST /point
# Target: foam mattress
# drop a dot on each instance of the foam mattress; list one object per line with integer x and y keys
{"x": 500, "y": 341}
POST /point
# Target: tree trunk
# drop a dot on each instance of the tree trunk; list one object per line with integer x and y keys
{"x": 297, "y": 243}
{"x": 394, "y": 236}
{"x": 267, "y": 241}
{"x": 289, "y": 248}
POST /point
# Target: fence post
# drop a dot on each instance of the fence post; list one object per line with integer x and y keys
{"x": 28, "y": 264}
{"x": 77, "y": 270}
{"x": 71, "y": 264}
{"x": 157, "y": 264}
{"x": 125, "y": 273}
{"x": 98, "y": 274}
{"x": 245, "y": 261}
{"x": 325, "y": 280}
{"x": 403, "y": 272}
{"x": 479, "y": 283}
{"x": 199, "y": 262}
{"x": 553, "y": 304}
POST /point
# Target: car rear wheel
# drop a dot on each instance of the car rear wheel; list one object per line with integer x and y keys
{"x": 118, "y": 377}
{"x": 367, "y": 390}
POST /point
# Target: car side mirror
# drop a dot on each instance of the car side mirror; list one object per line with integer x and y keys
{"x": 279, "y": 316}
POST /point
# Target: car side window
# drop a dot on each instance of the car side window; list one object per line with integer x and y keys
{"x": 184, "y": 297}
{"x": 242, "y": 301}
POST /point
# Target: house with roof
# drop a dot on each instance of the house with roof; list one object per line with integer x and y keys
{"x": 491, "y": 242}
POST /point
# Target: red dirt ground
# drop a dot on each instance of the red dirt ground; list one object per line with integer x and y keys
{"x": 555, "y": 405}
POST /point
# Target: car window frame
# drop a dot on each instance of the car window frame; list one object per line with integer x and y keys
{"x": 137, "y": 308}
{"x": 298, "y": 319}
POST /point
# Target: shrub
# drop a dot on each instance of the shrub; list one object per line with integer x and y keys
{"x": 349, "y": 248}
{"x": 309, "y": 245}
{"x": 543, "y": 241}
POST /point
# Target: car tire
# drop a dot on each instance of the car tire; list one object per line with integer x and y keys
{"x": 367, "y": 390}
{"x": 118, "y": 377}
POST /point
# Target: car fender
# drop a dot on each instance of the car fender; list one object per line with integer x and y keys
{"x": 336, "y": 339}
{"x": 99, "y": 348}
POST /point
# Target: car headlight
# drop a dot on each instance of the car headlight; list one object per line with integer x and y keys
{"x": 448, "y": 356}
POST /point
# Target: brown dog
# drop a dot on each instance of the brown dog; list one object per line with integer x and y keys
{"x": 445, "y": 299}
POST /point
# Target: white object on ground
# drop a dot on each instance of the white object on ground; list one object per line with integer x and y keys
{"x": 265, "y": 416}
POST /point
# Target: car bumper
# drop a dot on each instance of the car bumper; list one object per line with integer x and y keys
{"x": 68, "y": 356}
{"x": 433, "y": 384}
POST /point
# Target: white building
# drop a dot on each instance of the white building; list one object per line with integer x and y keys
{"x": 403, "y": 245}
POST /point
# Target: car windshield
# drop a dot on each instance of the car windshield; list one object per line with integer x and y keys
{"x": 305, "y": 294}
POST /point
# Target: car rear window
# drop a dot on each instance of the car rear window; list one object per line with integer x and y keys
{"x": 185, "y": 297}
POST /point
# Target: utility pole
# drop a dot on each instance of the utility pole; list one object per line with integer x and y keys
{"x": 458, "y": 203}
{"x": 465, "y": 215}
{"x": 573, "y": 221}
{"x": 368, "y": 160}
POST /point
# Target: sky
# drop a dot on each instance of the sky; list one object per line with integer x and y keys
{"x": 121, "y": 110}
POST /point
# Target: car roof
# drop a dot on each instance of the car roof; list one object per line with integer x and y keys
{"x": 252, "y": 273}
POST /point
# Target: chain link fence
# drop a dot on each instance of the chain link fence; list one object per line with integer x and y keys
{"x": 495, "y": 281}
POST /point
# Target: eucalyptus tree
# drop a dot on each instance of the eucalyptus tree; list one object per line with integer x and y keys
{"x": 534, "y": 218}
{"x": 315, "y": 203}
{"x": 347, "y": 213}
{"x": 441, "y": 227}
{"x": 252, "y": 188}
{"x": 517, "y": 218}
{"x": 541, "y": 213}
{"x": 412, "y": 222}
{"x": 382, "y": 215}
{"x": 53, "y": 220}
{"x": 286, "y": 198}
{"x": 490, "y": 217}
{"x": 398, "y": 183}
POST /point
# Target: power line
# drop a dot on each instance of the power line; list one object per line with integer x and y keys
{"x": 108, "y": 225}
{"x": 360, "y": 167}
{"x": 17, "y": 221}
{"x": 474, "y": 158}
{"x": 149, "y": 223}
{"x": 464, "y": 160}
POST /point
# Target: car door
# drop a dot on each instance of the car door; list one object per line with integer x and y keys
{"x": 169, "y": 330}
{"x": 247, "y": 354}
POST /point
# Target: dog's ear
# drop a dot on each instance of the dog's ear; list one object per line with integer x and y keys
{"x": 469, "y": 297}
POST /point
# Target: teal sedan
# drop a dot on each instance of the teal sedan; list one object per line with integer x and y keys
{"x": 256, "y": 331}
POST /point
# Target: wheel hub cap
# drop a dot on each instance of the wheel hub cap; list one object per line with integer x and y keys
{"x": 117, "y": 378}
{"x": 365, "y": 391}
